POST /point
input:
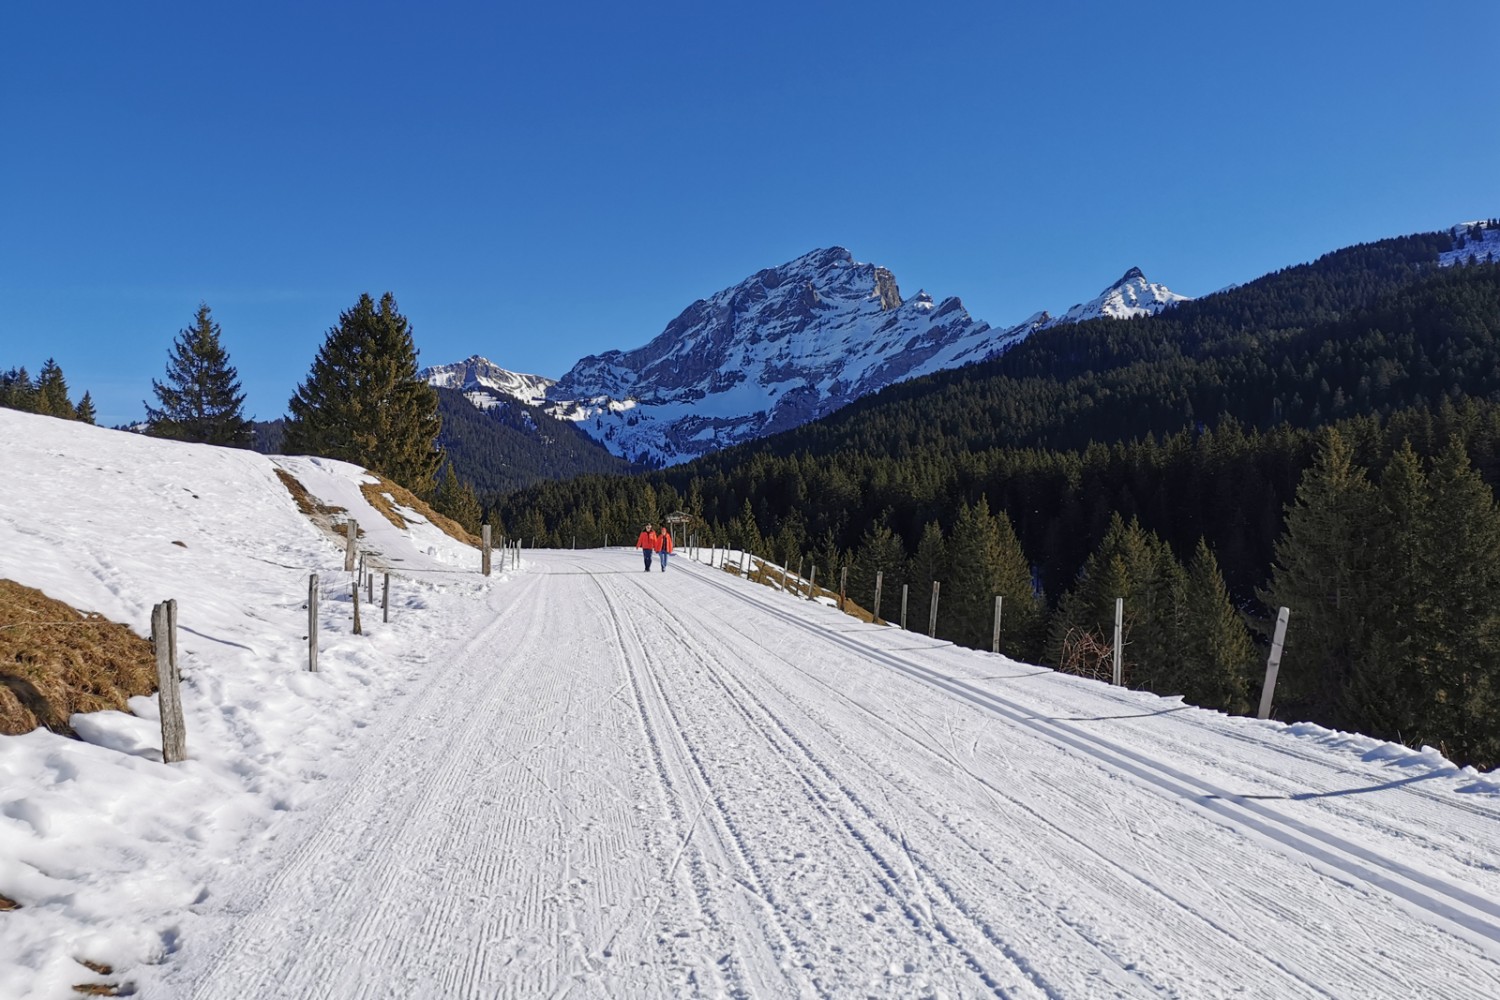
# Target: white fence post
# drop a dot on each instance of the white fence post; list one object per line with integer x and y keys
{"x": 995, "y": 642}
{"x": 1119, "y": 624}
{"x": 1273, "y": 664}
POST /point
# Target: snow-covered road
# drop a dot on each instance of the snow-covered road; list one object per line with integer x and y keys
{"x": 632, "y": 785}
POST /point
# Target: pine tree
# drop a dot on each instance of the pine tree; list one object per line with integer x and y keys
{"x": 362, "y": 401}
{"x": 880, "y": 552}
{"x": 17, "y": 391}
{"x": 1325, "y": 562}
{"x": 51, "y": 397}
{"x": 925, "y": 567}
{"x": 1215, "y": 652}
{"x": 85, "y": 411}
{"x": 201, "y": 399}
{"x": 1459, "y": 575}
{"x": 984, "y": 560}
{"x": 457, "y": 500}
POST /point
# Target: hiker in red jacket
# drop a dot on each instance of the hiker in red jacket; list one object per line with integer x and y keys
{"x": 649, "y": 542}
{"x": 664, "y": 547}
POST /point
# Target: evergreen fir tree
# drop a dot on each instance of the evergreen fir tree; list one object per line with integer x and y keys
{"x": 882, "y": 552}
{"x": 1459, "y": 574}
{"x": 1216, "y": 654}
{"x": 85, "y": 411}
{"x": 362, "y": 402}
{"x": 17, "y": 391}
{"x": 984, "y": 560}
{"x": 1323, "y": 573}
{"x": 201, "y": 399}
{"x": 51, "y": 398}
{"x": 925, "y": 567}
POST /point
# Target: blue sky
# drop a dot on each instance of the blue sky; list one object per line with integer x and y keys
{"x": 538, "y": 182}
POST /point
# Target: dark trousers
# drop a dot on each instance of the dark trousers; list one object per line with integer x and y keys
{"x": 648, "y": 554}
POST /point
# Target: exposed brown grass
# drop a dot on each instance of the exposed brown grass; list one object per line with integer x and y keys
{"x": 56, "y": 660}
{"x": 380, "y": 496}
{"x": 770, "y": 576}
{"x": 6, "y": 903}
{"x": 306, "y": 502}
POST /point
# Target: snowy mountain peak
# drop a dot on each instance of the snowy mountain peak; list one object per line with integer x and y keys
{"x": 1132, "y": 295}
{"x": 475, "y": 373}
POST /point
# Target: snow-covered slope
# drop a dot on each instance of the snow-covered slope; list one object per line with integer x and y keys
{"x": 1475, "y": 242}
{"x": 586, "y": 780}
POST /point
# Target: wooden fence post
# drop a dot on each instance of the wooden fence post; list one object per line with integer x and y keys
{"x": 932, "y": 618}
{"x": 843, "y": 587}
{"x": 168, "y": 682}
{"x": 312, "y": 623}
{"x": 1273, "y": 664}
{"x": 800, "y": 563}
{"x": 351, "y": 528}
{"x": 879, "y": 579}
{"x": 357, "y": 629}
{"x": 1119, "y": 629}
{"x": 385, "y": 599}
{"x": 484, "y": 559}
{"x": 370, "y": 585}
{"x": 812, "y": 583}
{"x": 904, "y": 587}
{"x": 995, "y": 643}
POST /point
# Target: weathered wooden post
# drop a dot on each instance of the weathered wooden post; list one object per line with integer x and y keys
{"x": 800, "y": 577}
{"x": 312, "y": 623}
{"x": 370, "y": 586}
{"x": 168, "y": 682}
{"x": 1119, "y": 629}
{"x": 484, "y": 558}
{"x": 995, "y": 642}
{"x": 932, "y": 617}
{"x": 385, "y": 599}
{"x": 357, "y": 629}
{"x": 879, "y": 579}
{"x": 1273, "y": 664}
{"x": 904, "y": 588}
{"x": 812, "y": 583}
{"x": 843, "y": 587}
{"x": 351, "y": 528}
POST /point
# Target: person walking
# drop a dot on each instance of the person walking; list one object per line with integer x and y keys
{"x": 664, "y": 547}
{"x": 648, "y": 543}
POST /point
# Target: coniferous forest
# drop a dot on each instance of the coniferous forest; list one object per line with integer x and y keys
{"x": 1326, "y": 438}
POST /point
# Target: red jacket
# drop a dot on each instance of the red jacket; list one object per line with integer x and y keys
{"x": 665, "y": 543}
{"x": 649, "y": 540}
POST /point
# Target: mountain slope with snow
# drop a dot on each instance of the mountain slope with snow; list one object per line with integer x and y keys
{"x": 785, "y": 346}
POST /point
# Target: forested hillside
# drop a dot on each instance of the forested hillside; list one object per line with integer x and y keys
{"x": 1112, "y": 448}
{"x": 512, "y": 445}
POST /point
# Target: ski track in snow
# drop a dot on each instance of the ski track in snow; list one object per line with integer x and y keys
{"x": 680, "y": 784}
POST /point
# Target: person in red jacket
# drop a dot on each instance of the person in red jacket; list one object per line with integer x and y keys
{"x": 648, "y": 543}
{"x": 664, "y": 547}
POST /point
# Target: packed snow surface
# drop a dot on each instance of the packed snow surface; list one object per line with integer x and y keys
{"x": 579, "y": 779}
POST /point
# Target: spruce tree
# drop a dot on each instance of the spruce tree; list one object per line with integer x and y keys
{"x": 880, "y": 552}
{"x": 1459, "y": 575}
{"x": 984, "y": 560}
{"x": 1215, "y": 653}
{"x": 17, "y": 391}
{"x": 363, "y": 402}
{"x": 201, "y": 399}
{"x": 85, "y": 410}
{"x": 1325, "y": 564}
{"x": 51, "y": 398}
{"x": 925, "y": 567}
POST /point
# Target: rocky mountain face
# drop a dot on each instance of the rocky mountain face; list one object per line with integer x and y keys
{"x": 780, "y": 348}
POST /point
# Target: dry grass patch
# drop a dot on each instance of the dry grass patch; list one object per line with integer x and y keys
{"x": 56, "y": 660}
{"x": 306, "y": 502}
{"x": 385, "y": 494}
{"x": 6, "y": 903}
